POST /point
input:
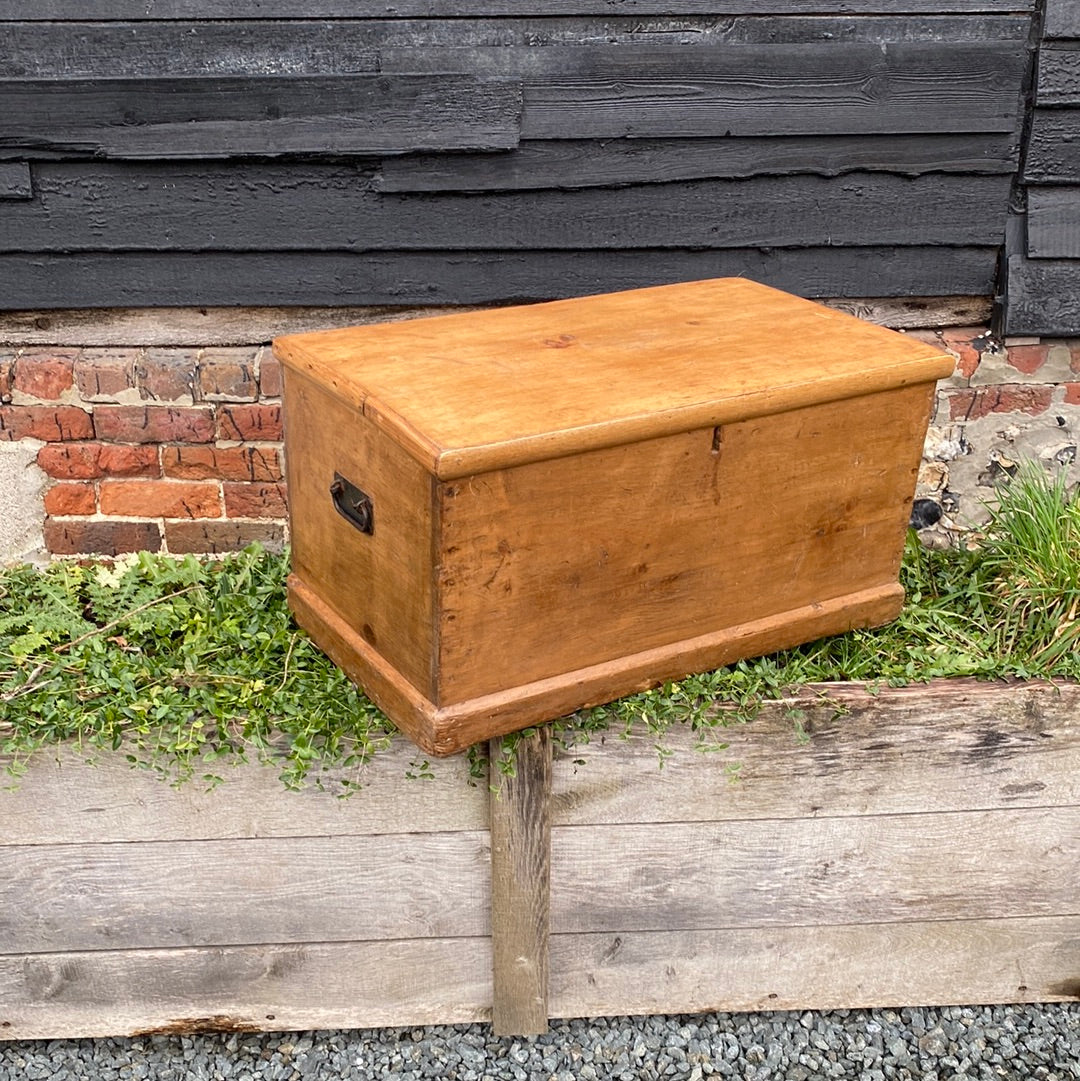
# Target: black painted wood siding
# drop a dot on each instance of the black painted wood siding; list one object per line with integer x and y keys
{"x": 1042, "y": 288}
{"x": 217, "y": 152}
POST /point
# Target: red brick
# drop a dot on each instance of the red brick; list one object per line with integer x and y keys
{"x": 52, "y": 423}
{"x": 1027, "y": 358}
{"x": 1072, "y": 393}
{"x": 154, "y": 424}
{"x": 249, "y": 422}
{"x": 45, "y": 375}
{"x": 103, "y": 374}
{"x": 85, "y": 461}
{"x": 269, "y": 375}
{"x": 959, "y": 340}
{"x": 967, "y": 358}
{"x": 227, "y": 375}
{"x": 222, "y": 463}
{"x": 73, "y": 537}
{"x": 160, "y": 499}
{"x": 1074, "y": 356}
{"x": 167, "y": 375}
{"x": 254, "y": 500}
{"x": 1007, "y": 398}
{"x": 207, "y": 536}
{"x": 75, "y": 498}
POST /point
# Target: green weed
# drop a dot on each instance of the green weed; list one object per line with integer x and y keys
{"x": 181, "y": 663}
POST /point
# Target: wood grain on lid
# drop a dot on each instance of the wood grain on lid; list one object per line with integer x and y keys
{"x": 470, "y": 392}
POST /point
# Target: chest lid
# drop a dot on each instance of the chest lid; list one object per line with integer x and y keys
{"x": 475, "y": 391}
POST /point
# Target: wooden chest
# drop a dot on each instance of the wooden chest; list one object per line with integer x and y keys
{"x": 500, "y": 517}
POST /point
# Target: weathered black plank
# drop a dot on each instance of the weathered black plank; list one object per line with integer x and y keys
{"x": 15, "y": 180}
{"x": 647, "y": 91}
{"x": 176, "y": 279}
{"x": 823, "y": 89}
{"x": 1062, "y": 18}
{"x": 521, "y": 886}
{"x": 1053, "y": 224}
{"x": 1043, "y": 296}
{"x": 132, "y": 49}
{"x": 75, "y": 10}
{"x": 201, "y": 207}
{"x": 96, "y": 49}
{"x": 1059, "y": 77}
{"x": 1053, "y": 154}
{"x": 224, "y": 116}
{"x": 582, "y": 163}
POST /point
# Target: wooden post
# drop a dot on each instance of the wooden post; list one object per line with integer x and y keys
{"x": 521, "y": 886}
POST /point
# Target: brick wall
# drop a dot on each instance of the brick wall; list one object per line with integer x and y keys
{"x": 170, "y": 449}
{"x": 179, "y": 449}
{"x": 1008, "y": 401}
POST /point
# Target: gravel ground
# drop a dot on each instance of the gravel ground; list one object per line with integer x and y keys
{"x": 992, "y": 1042}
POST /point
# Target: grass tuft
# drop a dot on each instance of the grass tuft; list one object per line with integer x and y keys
{"x": 1031, "y": 557}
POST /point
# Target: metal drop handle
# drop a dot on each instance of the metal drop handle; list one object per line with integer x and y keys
{"x": 354, "y": 505}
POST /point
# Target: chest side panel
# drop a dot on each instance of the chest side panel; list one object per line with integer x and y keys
{"x": 379, "y": 583}
{"x": 552, "y": 566}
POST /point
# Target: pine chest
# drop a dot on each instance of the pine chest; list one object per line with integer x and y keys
{"x": 500, "y": 517}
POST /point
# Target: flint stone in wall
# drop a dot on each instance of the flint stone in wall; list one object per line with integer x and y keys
{"x": 964, "y": 463}
{"x": 22, "y": 511}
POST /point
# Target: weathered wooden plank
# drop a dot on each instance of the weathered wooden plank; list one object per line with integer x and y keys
{"x": 275, "y": 9}
{"x": 1059, "y": 77}
{"x": 217, "y": 893}
{"x": 99, "y": 49}
{"x": 583, "y": 163}
{"x": 89, "y": 50}
{"x": 1013, "y": 745}
{"x": 652, "y": 91}
{"x": 819, "y": 968}
{"x": 951, "y": 746}
{"x": 1043, "y": 296}
{"x": 1053, "y": 223}
{"x": 1053, "y": 155}
{"x": 1062, "y": 19}
{"x": 232, "y": 326}
{"x": 82, "y": 206}
{"x": 259, "y": 326}
{"x": 808, "y": 872}
{"x": 109, "y": 800}
{"x": 891, "y": 869}
{"x": 911, "y": 313}
{"x": 15, "y": 180}
{"x": 245, "y": 988}
{"x": 441, "y": 981}
{"x": 521, "y": 886}
{"x": 123, "y": 279}
{"x": 223, "y": 116}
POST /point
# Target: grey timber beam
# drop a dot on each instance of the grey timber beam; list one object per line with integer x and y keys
{"x": 521, "y": 885}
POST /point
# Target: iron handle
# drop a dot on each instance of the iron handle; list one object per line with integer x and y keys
{"x": 354, "y": 505}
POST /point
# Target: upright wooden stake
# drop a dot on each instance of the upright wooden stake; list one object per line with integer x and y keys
{"x": 521, "y": 886}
